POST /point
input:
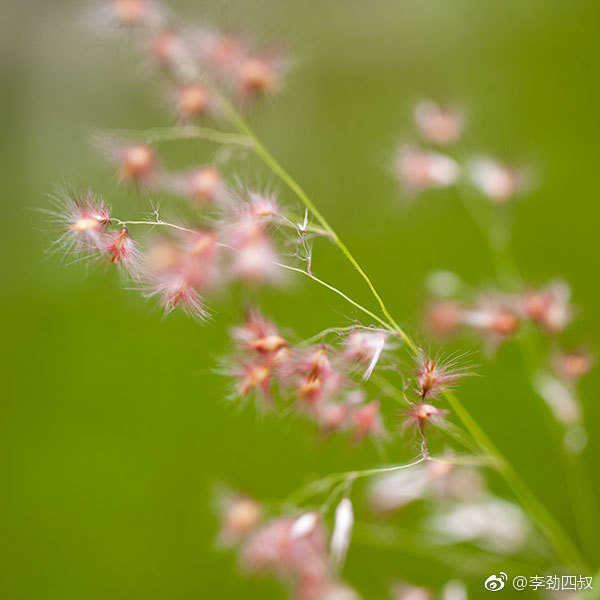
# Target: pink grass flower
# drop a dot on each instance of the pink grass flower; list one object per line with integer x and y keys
{"x": 260, "y": 74}
{"x": 203, "y": 185}
{"x": 494, "y": 316}
{"x": 179, "y": 273}
{"x": 318, "y": 379}
{"x": 498, "y": 181}
{"x": 422, "y": 415}
{"x": 436, "y": 375}
{"x": 548, "y": 307}
{"x": 192, "y": 101}
{"x": 122, "y": 251}
{"x": 440, "y": 125}
{"x": 166, "y": 48}
{"x": 82, "y": 218}
{"x": 365, "y": 347}
{"x": 131, "y": 14}
{"x": 293, "y": 549}
{"x": 254, "y": 258}
{"x": 136, "y": 162}
{"x": 258, "y": 334}
{"x": 571, "y": 366}
{"x": 366, "y": 420}
{"x": 240, "y": 516}
{"x": 220, "y": 52}
{"x": 419, "y": 170}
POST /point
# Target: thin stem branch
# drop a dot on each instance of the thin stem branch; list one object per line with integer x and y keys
{"x": 581, "y": 494}
{"x": 181, "y": 132}
{"x": 240, "y": 124}
{"x": 319, "y": 486}
{"x": 339, "y": 293}
{"x": 563, "y": 546}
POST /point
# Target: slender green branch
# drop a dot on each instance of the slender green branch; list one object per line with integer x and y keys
{"x": 339, "y": 293}
{"x": 319, "y": 486}
{"x": 581, "y": 494}
{"x": 240, "y": 124}
{"x": 165, "y": 134}
{"x": 564, "y": 547}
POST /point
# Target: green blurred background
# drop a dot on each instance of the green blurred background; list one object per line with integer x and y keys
{"x": 113, "y": 426}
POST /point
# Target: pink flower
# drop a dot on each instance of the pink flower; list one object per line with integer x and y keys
{"x": 136, "y": 162}
{"x": 366, "y": 420}
{"x": 191, "y": 101}
{"x": 422, "y": 414}
{"x": 166, "y": 48}
{"x": 318, "y": 379}
{"x": 202, "y": 185}
{"x": 441, "y": 125}
{"x": 241, "y": 515}
{"x": 220, "y": 52}
{"x": 365, "y": 347}
{"x": 82, "y": 217}
{"x": 122, "y": 251}
{"x": 493, "y": 315}
{"x": 496, "y": 180}
{"x": 260, "y": 75}
{"x": 548, "y": 307}
{"x": 258, "y": 334}
{"x": 180, "y": 273}
{"x": 571, "y": 366}
{"x": 437, "y": 375}
{"x": 130, "y": 14}
{"x": 290, "y": 548}
{"x": 254, "y": 257}
{"x": 418, "y": 170}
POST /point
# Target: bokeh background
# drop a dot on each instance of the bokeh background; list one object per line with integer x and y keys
{"x": 113, "y": 425}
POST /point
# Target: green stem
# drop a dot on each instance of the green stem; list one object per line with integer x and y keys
{"x": 580, "y": 492}
{"x": 319, "y": 486}
{"x": 564, "y": 547}
{"x": 240, "y": 124}
{"x": 339, "y": 293}
{"x": 165, "y": 134}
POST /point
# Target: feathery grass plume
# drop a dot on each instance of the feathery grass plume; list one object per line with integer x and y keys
{"x": 81, "y": 217}
{"x": 438, "y": 374}
{"x": 123, "y": 252}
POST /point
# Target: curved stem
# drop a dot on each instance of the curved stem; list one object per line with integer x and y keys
{"x": 581, "y": 494}
{"x": 318, "y": 486}
{"x": 182, "y": 132}
{"x": 564, "y": 547}
{"x": 339, "y": 293}
{"x": 240, "y": 124}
